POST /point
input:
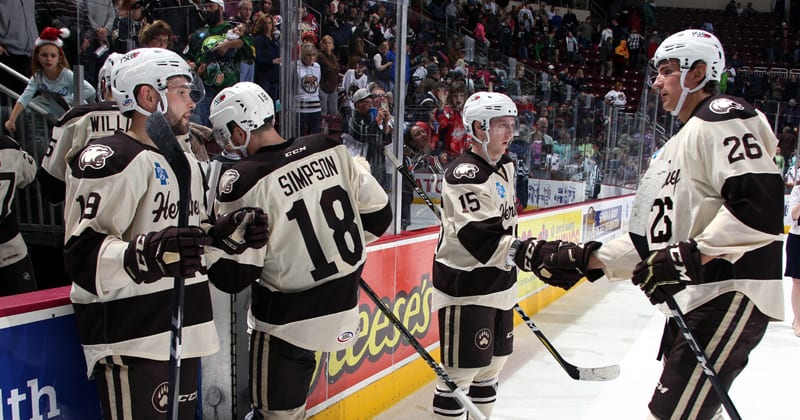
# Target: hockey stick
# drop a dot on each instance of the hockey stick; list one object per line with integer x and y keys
{"x": 604, "y": 373}
{"x": 458, "y": 393}
{"x": 161, "y": 133}
{"x": 649, "y": 186}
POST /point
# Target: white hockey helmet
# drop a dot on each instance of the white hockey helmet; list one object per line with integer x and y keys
{"x": 152, "y": 67}
{"x": 104, "y": 75}
{"x": 482, "y": 107}
{"x": 688, "y": 47}
{"x": 247, "y": 105}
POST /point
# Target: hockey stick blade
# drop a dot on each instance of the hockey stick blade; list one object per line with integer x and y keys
{"x": 159, "y": 130}
{"x": 604, "y": 373}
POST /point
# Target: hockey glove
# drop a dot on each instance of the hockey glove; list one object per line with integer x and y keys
{"x": 170, "y": 252}
{"x": 239, "y": 230}
{"x": 570, "y": 256}
{"x": 668, "y": 271}
{"x": 530, "y": 256}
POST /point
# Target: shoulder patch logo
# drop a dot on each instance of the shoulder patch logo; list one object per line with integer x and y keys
{"x": 226, "y": 181}
{"x": 94, "y": 156}
{"x": 500, "y": 189}
{"x": 469, "y": 170}
{"x": 161, "y": 174}
{"x": 724, "y": 106}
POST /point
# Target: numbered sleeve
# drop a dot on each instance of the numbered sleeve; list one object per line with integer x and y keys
{"x": 747, "y": 180}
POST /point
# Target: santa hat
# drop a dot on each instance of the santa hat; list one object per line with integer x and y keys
{"x": 53, "y": 36}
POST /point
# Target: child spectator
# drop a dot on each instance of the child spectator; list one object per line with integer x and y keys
{"x": 52, "y": 78}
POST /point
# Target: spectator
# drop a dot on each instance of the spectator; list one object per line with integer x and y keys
{"x": 372, "y": 133}
{"x": 16, "y": 268}
{"x": 432, "y": 78}
{"x": 216, "y": 59}
{"x": 244, "y": 14}
{"x": 541, "y": 146}
{"x": 354, "y": 79}
{"x": 416, "y": 152}
{"x": 519, "y": 152}
{"x": 587, "y": 32}
{"x": 635, "y": 48}
{"x": 52, "y": 80}
{"x": 572, "y": 47}
{"x": 780, "y": 162}
{"x": 182, "y": 17}
{"x": 606, "y": 57}
{"x": 448, "y": 119}
{"x": 787, "y": 141}
{"x": 383, "y": 72}
{"x": 616, "y": 97}
{"x": 129, "y": 23}
{"x": 381, "y": 100}
{"x": 307, "y": 97}
{"x": 329, "y": 83}
{"x": 155, "y": 35}
{"x": 17, "y": 35}
{"x": 268, "y": 57}
{"x": 65, "y": 14}
{"x": 793, "y": 256}
{"x": 621, "y": 56}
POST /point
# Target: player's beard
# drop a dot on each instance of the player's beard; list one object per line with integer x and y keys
{"x": 177, "y": 123}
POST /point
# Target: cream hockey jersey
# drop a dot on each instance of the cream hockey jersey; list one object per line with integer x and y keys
{"x": 479, "y": 222}
{"x": 323, "y": 209}
{"x": 17, "y": 169}
{"x": 71, "y": 134}
{"x": 722, "y": 189}
{"x": 118, "y": 188}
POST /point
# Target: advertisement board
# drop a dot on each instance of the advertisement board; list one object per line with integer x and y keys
{"x": 43, "y": 369}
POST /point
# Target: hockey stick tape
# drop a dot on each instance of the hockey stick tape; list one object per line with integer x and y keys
{"x": 170, "y": 257}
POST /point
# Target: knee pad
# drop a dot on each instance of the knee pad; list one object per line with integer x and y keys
{"x": 445, "y": 405}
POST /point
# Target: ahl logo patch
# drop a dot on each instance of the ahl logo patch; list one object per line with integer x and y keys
{"x": 724, "y": 106}
{"x": 469, "y": 170}
{"x": 483, "y": 338}
{"x": 226, "y": 181}
{"x": 500, "y": 189}
{"x": 94, "y": 156}
{"x": 161, "y": 174}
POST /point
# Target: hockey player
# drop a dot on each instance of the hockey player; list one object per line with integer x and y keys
{"x": 323, "y": 209}
{"x": 712, "y": 229}
{"x": 17, "y": 169}
{"x": 474, "y": 274}
{"x": 78, "y": 127}
{"x": 123, "y": 245}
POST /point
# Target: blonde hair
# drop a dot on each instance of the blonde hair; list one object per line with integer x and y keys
{"x": 308, "y": 49}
